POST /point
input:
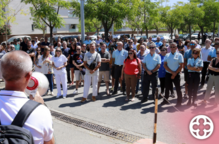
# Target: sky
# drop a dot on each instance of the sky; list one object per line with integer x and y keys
{"x": 171, "y": 2}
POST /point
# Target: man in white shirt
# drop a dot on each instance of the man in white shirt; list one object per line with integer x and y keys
{"x": 205, "y": 51}
{"x": 98, "y": 41}
{"x": 16, "y": 71}
{"x": 135, "y": 44}
{"x": 198, "y": 45}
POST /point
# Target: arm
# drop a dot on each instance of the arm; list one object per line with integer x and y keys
{"x": 167, "y": 68}
{"x": 32, "y": 54}
{"x": 185, "y": 62}
{"x": 209, "y": 58}
{"x": 77, "y": 66}
{"x": 194, "y": 68}
{"x": 145, "y": 68}
{"x": 212, "y": 68}
{"x": 122, "y": 72}
{"x": 156, "y": 68}
{"x": 52, "y": 141}
{"x": 85, "y": 65}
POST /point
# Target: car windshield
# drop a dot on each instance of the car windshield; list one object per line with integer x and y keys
{"x": 195, "y": 34}
{"x": 154, "y": 36}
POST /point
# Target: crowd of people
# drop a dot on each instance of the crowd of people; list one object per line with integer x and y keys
{"x": 133, "y": 64}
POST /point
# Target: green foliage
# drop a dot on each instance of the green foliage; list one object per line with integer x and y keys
{"x": 2, "y": 30}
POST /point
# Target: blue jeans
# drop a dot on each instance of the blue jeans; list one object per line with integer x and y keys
{"x": 50, "y": 79}
{"x": 137, "y": 86}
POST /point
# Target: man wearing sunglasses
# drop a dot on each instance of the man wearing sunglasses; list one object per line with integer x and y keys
{"x": 173, "y": 63}
{"x": 212, "y": 54}
{"x": 205, "y": 51}
{"x": 151, "y": 64}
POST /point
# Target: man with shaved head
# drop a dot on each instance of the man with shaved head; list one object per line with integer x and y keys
{"x": 16, "y": 71}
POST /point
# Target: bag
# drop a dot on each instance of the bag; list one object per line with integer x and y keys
{"x": 93, "y": 64}
{"x": 14, "y": 133}
{"x": 83, "y": 71}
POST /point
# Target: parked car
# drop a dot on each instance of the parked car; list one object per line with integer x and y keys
{"x": 121, "y": 35}
{"x": 194, "y": 36}
{"x": 210, "y": 34}
{"x": 154, "y": 37}
{"x": 143, "y": 37}
{"x": 16, "y": 37}
{"x": 100, "y": 34}
{"x": 65, "y": 38}
{"x": 56, "y": 37}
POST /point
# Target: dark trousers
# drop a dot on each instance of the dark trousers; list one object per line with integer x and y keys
{"x": 176, "y": 82}
{"x": 162, "y": 85}
{"x": 50, "y": 79}
{"x": 68, "y": 73}
{"x": 204, "y": 72}
{"x": 117, "y": 74}
{"x": 146, "y": 84}
{"x": 193, "y": 83}
{"x": 138, "y": 82}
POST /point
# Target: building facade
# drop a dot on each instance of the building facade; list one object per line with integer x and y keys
{"x": 23, "y": 25}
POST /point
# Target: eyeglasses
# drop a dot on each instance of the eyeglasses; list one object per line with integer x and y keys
{"x": 172, "y": 47}
{"x": 58, "y": 51}
{"x": 38, "y": 50}
{"x": 151, "y": 47}
{"x": 163, "y": 50}
{"x": 130, "y": 53}
{"x": 191, "y": 44}
{"x": 130, "y": 42}
{"x": 78, "y": 49}
{"x": 195, "y": 53}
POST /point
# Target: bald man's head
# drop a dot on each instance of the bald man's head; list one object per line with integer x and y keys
{"x": 15, "y": 65}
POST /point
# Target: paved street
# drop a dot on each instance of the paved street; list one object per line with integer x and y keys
{"x": 114, "y": 112}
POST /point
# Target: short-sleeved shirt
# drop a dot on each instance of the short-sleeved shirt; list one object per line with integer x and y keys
{"x": 99, "y": 41}
{"x": 195, "y": 63}
{"x": 78, "y": 59}
{"x": 104, "y": 66}
{"x": 24, "y": 46}
{"x": 180, "y": 48}
{"x": 89, "y": 58}
{"x": 205, "y": 52}
{"x": 59, "y": 61}
{"x": 151, "y": 61}
{"x": 29, "y": 51}
{"x": 71, "y": 53}
{"x": 65, "y": 52}
{"x": 39, "y": 123}
{"x": 173, "y": 61}
{"x": 131, "y": 66}
{"x": 162, "y": 71}
{"x": 188, "y": 54}
{"x": 158, "y": 44}
{"x": 2, "y": 53}
{"x": 212, "y": 53}
{"x": 17, "y": 46}
{"x": 87, "y": 42}
{"x": 120, "y": 56}
{"x": 141, "y": 57}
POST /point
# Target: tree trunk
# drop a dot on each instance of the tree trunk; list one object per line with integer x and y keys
{"x": 202, "y": 32}
{"x": 141, "y": 32}
{"x": 171, "y": 32}
{"x": 44, "y": 32}
{"x": 190, "y": 32}
{"x": 97, "y": 31}
{"x": 106, "y": 32}
{"x": 51, "y": 34}
{"x": 146, "y": 31}
{"x": 214, "y": 29}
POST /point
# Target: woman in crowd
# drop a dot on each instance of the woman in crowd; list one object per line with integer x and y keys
{"x": 107, "y": 43}
{"x": 213, "y": 79}
{"x": 194, "y": 65}
{"x": 186, "y": 46}
{"x": 131, "y": 70}
{"x": 59, "y": 62}
{"x": 72, "y": 51}
{"x": 45, "y": 62}
{"x": 180, "y": 47}
{"x": 162, "y": 73}
{"x": 164, "y": 44}
{"x": 36, "y": 60}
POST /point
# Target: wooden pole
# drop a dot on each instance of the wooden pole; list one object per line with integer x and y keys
{"x": 155, "y": 116}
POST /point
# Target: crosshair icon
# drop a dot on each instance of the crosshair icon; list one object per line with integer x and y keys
{"x": 201, "y": 127}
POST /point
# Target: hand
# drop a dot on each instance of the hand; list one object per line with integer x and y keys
{"x": 174, "y": 74}
{"x": 37, "y": 98}
{"x": 39, "y": 66}
{"x": 59, "y": 68}
{"x": 80, "y": 69}
{"x": 121, "y": 77}
{"x": 92, "y": 71}
{"x": 149, "y": 72}
{"x": 172, "y": 77}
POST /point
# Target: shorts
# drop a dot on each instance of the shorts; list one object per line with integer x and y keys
{"x": 104, "y": 74}
{"x": 71, "y": 66}
{"x": 78, "y": 75}
{"x": 112, "y": 71}
{"x": 186, "y": 73}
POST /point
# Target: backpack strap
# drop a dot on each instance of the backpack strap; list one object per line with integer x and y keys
{"x": 24, "y": 113}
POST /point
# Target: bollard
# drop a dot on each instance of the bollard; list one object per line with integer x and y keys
{"x": 155, "y": 116}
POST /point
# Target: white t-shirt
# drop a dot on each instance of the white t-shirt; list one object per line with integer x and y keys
{"x": 198, "y": 46}
{"x": 89, "y": 58}
{"x": 135, "y": 46}
{"x": 59, "y": 61}
{"x": 205, "y": 53}
{"x": 39, "y": 123}
{"x": 147, "y": 51}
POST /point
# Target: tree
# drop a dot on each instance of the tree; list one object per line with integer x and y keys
{"x": 39, "y": 24}
{"x": 211, "y": 9}
{"x": 107, "y": 11}
{"x": 191, "y": 15}
{"x": 48, "y": 12}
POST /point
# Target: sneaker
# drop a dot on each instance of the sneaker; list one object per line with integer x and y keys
{"x": 83, "y": 100}
{"x": 112, "y": 89}
{"x": 93, "y": 98}
{"x": 52, "y": 94}
{"x": 64, "y": 97}
{"x": 75, "y": 92}
{"x": 172, "y": 95}
{"x": 164, "y": 102}
{"x": 133, "y": 99}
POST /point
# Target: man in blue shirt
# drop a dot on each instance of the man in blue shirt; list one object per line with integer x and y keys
{"x": 173, "y": 63}
{"x": 87, "y": 40}
{"x": 119, "y": 56}
{"x": 65, "y": 51}
{"x": 212, "y": 54}
{"x": 151, "y": 65}
{"x": 158, "y": 43}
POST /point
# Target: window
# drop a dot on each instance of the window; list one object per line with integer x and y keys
{"x": 72, "y": 26}
{"x": 32, "y": 26}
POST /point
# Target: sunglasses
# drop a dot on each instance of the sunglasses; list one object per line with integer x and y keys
{"x": 195, "y": 53}
{"x": 38, "y": 50}
{"x": 172, "y": 47}
{"x": 151, "y": 47}
{"x": 163, "y": 50}
{"x": 130, "y": 53}
{"x": 191, "y": 44}
{"x": 78, "y": 49}
{"x": 58, "y": 51}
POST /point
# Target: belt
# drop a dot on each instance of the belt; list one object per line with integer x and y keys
{"x": 119, "y": 65}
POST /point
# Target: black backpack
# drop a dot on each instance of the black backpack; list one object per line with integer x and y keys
{"x": 14, "y": 133}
